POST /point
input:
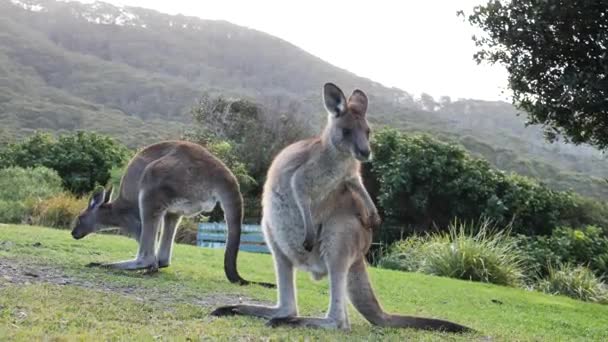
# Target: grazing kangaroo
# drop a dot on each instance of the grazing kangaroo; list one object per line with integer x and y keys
{"x": 344, "y": 214}
{"x": 162, "y": 183}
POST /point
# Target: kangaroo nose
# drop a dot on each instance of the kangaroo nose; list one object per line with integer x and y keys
{"x": 75, "y": 235}
{"x": 363, "y": 154}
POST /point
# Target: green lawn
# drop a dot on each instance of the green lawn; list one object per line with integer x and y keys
{"x": 47, "y": 293}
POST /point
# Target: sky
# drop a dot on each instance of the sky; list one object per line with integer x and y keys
{"x": 418, "y": 46}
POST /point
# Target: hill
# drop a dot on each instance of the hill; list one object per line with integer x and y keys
{"x": 134, "y": 73}
{"x": 47, "y": 293}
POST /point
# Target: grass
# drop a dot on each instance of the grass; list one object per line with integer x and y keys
{"x": 95, "y": 304}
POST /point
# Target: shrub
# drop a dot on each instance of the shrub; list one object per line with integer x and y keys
{"x": 58, "y": 211}
{"x": 14, "y": 211}
{"x": 573, "y": 281}
{"x": 20, "y": 188}
{"x": 82, "y": 159}
{"x": 421, "y": 182}
{"x": 478, "y": 253}
{"x": 406, "y": 255}
{"x": 586, "y": 246}
{"x": 18, "y": 184}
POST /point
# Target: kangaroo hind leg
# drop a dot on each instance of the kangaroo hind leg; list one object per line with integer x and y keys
{"x": 337, "y": 315}
{"x": 287, "y": 305}
{"x": 165, "y": 250}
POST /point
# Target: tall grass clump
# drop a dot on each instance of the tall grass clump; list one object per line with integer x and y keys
{"x": 58, "y": 211}
{"x": 575, "y": 281}
{"x": 477, "y": 252}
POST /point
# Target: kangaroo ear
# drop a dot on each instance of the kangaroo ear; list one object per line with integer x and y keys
{"x": 108, "y": 194}
{"x": 97, "y": 199}
{"x": 357, "y": 102}
{"x": 334, "y": 99}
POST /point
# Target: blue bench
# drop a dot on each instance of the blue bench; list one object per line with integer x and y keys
{"x": 213, "y": 235}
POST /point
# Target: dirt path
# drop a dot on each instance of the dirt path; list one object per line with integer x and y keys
{"x": 14, "y": 272}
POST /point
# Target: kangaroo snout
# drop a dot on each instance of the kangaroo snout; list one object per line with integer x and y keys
{"x": 77, "y": 235}
{"x": 363, "y": 154}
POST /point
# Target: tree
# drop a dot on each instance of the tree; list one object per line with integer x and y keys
{"x": 245, "y": 136}
{"x": 82, "y": 159}
{"x": 445, "y": 101}
{"x": 256, "y": 133}
{"x": 427, "y": 102}
{"x": 556, "y": 54}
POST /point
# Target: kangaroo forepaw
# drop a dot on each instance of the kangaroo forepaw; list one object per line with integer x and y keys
{"x": 228, "y": 310}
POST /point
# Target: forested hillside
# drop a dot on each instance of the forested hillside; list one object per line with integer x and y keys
{"x": 134, "y": 73}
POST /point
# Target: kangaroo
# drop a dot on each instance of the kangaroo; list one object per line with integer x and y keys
{"x": 162, "y": 183}
{"x": 312, "y": 169}
{"x": 343, "y": 214}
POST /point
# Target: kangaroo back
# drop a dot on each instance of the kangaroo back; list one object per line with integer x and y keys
{"x": 362, "y": 297}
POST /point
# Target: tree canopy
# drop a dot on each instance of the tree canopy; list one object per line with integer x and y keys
{"x": 556, "y": 54}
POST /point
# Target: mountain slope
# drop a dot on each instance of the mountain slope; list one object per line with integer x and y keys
{"x": 134, "y": 73}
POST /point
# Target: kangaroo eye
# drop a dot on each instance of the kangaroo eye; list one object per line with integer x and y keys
{"x": 346, "y": 132}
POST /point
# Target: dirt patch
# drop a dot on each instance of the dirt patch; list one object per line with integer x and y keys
{"x": 14, "y": 272}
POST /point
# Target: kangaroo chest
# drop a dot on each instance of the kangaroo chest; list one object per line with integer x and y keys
{"x": 323, "y": 180}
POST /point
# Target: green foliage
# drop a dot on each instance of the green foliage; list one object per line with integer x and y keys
{"x": 421, "y": 182}
{"x": 20, "y": 188}
{"x": 555, "y": 53}
{"x": 18, "y": 184}
{"x": 82, "y": 159}
{"x": 577, "y": 282}
{"x": 587, "y": 246}
{"x": 471, "y": 252}
{"x": 14, "y": 211}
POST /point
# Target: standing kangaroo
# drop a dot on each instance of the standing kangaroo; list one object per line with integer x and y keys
{"x": 162, "y": 183}
{"x": 316, "y": 183}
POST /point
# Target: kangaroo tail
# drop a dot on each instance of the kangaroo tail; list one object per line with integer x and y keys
{"x": 232, "y": 204}
{"x": 362, "y": 297}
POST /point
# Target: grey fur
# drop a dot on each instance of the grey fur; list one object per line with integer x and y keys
{"x": 328, "y": 183}
{"x": 162, "y": 183}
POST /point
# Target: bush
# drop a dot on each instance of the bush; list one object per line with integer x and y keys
{"x": 20, "y": 188}
{"x": 18, "y": 184}
{"x": 586, "y": 246}
{"x": 422, "y": 183}
{"x": 58, "y": 211}
{"x": 14, "y": 211}
{"x": 465, "y": 252}
{"x": 577, "y": 282}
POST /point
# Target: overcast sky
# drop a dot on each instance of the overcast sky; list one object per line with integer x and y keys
{"x": 418, "y": 46}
